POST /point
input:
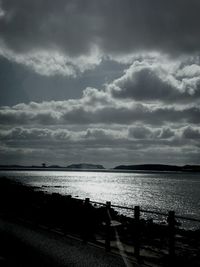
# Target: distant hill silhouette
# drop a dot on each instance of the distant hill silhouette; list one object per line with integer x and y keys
{"x": 85, "y": 166}
{"x": 158, "y": 167}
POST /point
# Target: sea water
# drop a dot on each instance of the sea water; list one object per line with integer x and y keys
{"x": 160, "y": 192}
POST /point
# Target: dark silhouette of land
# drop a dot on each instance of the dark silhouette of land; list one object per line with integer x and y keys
{"x": 86, "y": 166}
{"x": 44, "y": 167}
{"x": 100, "y": 168}
{"x": 159, "y": 167}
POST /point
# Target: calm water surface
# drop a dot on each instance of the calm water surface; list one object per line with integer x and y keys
{"x": 153, "y": 191}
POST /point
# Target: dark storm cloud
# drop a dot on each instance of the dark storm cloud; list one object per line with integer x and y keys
{"x": 191, "y": 133}
{"x": 114, "y": 26}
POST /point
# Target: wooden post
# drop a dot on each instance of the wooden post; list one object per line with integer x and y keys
{"x": 137, "y": 232}
{"x": 171, "y": 228}
{"x": 85, "y": 230}
{"x": 87, "y": 200}
{"x": 107, "y": 239}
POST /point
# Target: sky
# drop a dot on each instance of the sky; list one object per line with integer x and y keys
{"x": 105, "y": 82}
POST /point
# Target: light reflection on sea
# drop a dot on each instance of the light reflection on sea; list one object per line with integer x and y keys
{"x": 152, "y": 191}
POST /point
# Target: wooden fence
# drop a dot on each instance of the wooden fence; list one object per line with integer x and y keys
{"x": 171, "y": 220}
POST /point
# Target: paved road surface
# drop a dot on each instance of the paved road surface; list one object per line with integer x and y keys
{"x": 39, "y": 247}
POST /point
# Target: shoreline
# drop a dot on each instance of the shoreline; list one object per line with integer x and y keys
{"x": 95, "y": 170}
{"x": 89, "y": 221}
{"x": 121, "y": 208}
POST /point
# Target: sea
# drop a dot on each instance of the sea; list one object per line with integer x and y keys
{"x": 152, "y": 191}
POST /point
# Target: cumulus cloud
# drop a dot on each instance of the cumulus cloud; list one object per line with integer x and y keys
{"x": 99, "y": 133}
{"x": 122, "y": 144}
{"x": 140, "y": 132}
{"x": 191, "y": 71}
{"x": 20, "y": 133}
{"x": 96, "y": 124}
{"x": 77, "y": 112}
{"x": 52, "y": 62}
{"x": 67, "y": 37}
{"x": 151, "y": 80}
{"x": 144, "y": 132}
{"x": 152, "y": 109}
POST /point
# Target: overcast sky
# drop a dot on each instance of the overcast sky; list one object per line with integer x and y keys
{"x": 108, "y": 82}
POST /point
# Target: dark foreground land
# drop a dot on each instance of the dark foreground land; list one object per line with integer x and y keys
{"x": 39, "y": 229}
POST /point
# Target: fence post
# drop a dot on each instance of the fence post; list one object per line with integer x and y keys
{"x": 86, "y": 219}
{"x": 137, "y": 232}
{"x": 107, "y": 239}
{"x": 171, "y": 228}
{"x": 87, "y": 200}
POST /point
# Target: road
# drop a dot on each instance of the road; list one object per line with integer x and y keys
{"x": 25, "y": 245}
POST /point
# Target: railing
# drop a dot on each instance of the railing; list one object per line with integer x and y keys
{"x": 74, "y": 216}
{"x": 171, "y": 220}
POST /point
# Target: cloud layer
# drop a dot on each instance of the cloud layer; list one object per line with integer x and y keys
{"x": 152, "y": 80}
{"x": 148, "y": 114}
{"x": 101, "y": 123}
{"x": 68, "y": 37}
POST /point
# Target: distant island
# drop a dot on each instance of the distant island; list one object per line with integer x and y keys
{"x": 98, "y": 167}
{"x": 43, "y": 166}
{"x": 86, "y": 166}
{"x": 158, "y": 167}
